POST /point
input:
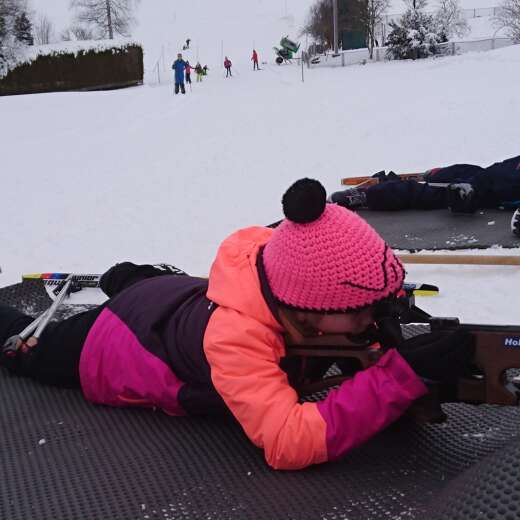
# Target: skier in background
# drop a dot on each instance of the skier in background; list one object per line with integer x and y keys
{"x": 188, "y": 41}
{"x": 205, "y": 70}
{"x": 254, "y": 59}
{"x": 179, "y": 66}
{"x": 227, "y": 66}
{"x": 188, "y": 70}
{"x": 199, "y": 71}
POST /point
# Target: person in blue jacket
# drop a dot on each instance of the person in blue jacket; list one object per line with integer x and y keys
{"x": 179, "y": 66}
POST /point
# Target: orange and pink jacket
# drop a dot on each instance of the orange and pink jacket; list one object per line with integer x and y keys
{"x": 242, "y": 344}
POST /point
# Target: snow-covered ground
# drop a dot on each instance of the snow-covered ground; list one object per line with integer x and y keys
{"x": 89, "y": 179}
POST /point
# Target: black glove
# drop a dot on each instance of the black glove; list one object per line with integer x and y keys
{"x": 440, "y": 356}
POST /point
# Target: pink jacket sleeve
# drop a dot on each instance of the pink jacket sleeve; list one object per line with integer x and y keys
{"x": 368, "y": 403}
{"x": 244, "y": 357}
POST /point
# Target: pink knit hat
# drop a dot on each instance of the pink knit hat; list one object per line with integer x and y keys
{"x": 324, "y": 257}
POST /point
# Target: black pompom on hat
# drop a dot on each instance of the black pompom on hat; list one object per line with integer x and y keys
{"x": 304, "y": 201}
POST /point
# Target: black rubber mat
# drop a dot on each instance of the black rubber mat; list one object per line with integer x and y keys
{"x": 489, "y": 490}
{"x": 441, "y": 229}
{"x": 63, "y": 458}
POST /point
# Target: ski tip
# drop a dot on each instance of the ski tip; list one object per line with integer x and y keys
{"x": 422, "y": 289}
{"x": 44, "y": 276}
{"x": 420, "y": 292}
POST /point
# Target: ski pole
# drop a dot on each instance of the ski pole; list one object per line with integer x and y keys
{"x": 12, "y": 345}
{"x": 53, "y": 308}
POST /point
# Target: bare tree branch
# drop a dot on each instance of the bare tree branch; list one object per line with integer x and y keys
{"x": 450, "y": 20}
{"x": 508, "y": 17}
{"x": 77, "y": 33}
{"x": 43, "y": 31}
{"x": 108, "y": 17}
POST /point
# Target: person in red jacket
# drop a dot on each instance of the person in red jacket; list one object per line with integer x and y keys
{"x": 227, "y": 66}
{"x": 190, "y": 345}
{"x": 254, "y": 59}
{"x": 187, "y": 70}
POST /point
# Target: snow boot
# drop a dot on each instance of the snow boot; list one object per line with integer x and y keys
{"x": 515, "y": 223}
{"x": 460, "y": 198}
{"x": 350, "y": 199}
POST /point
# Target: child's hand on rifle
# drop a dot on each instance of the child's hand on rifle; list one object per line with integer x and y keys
{"x": 442, "y": 357}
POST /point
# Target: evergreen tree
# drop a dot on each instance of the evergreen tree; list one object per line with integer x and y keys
{"x": 23, "y": 30}
{"x": 414, "y": 37}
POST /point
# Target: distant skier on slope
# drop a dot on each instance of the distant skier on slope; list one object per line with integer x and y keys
{"x": 179, "y": 66}
{"x": 199, "y": 71}
{"x": 227, "y": 66}
{"x": 188, "y": 69}
{"x": 254, "y": 59}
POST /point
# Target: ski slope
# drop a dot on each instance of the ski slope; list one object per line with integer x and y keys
{"x": 90, "y": 179}
{"x": 226, "y": 27}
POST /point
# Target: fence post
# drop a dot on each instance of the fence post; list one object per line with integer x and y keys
{"x": 342, "y": 59}
{"x": 453, "y": 48}
{"x": 493, "y": 43}
{"x": 163, "y": 59}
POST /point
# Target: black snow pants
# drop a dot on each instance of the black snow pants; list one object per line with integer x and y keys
{"x": 181, "y": 86}
{"x": 55, "y": 359}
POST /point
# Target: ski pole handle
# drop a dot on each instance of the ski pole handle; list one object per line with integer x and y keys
{"x": 11, "y": 346}
{"x": 53, "y": 308}
{"x": 32, "y": 326}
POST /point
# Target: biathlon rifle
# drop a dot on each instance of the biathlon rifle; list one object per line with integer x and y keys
{"x": 497, "y": 350}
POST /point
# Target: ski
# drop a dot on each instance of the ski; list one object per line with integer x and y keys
{"x": 81, "y": 280}
{"x": 55, "y": 279}
{"x": 92, "y": 280}
{"x": 421, "y": 289}
{"x": 367, "y": 181}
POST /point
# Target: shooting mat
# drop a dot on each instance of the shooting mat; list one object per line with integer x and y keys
{"x": 441, "y": 229}
{"x": 65, "y": 459}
